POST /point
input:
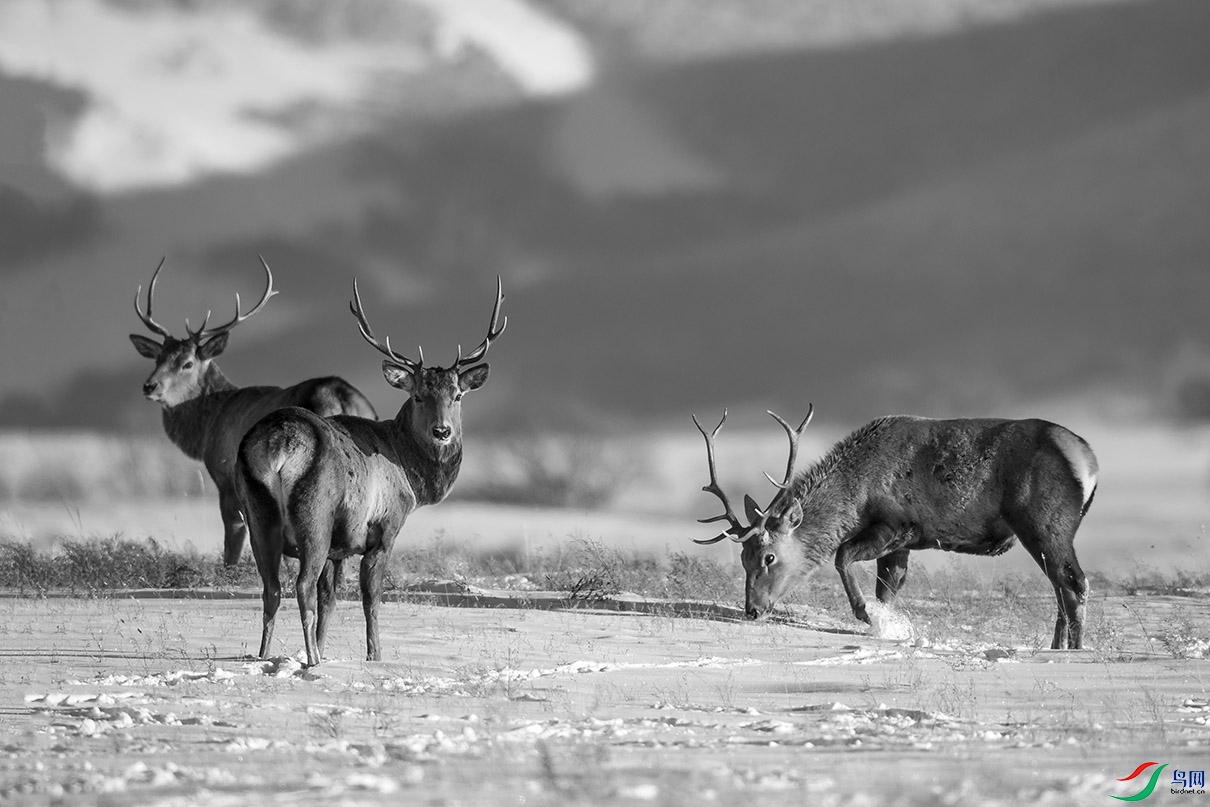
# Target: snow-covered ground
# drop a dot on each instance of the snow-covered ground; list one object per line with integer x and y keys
{"x": 154, "y": 701}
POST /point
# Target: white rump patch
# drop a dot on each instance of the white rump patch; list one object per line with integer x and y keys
{"x": 1079, "y": 457}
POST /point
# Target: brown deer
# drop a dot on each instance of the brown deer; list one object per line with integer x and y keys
{"x": 206, "y": 415}
{"x": 902, "y": 483}
{"x": 321, "y": 489}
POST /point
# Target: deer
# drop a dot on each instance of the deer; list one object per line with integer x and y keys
{"x": 206, "y": 416}
{"x": 902, "y": 483}
{"x": 324, "y": 489}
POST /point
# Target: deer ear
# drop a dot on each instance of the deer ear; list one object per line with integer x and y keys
{"x": 212, "y": 347}
{"x": 398, "y": 376}
{"x": 793, "y": 515}
{"x": 751, "y": 509}
{"x": 473, "y": 378}
{"x": 148, "y": 348}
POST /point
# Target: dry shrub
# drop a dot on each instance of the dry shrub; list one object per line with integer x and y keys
{"x": 95, "y": 565}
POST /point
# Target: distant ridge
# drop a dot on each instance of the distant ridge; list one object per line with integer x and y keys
{"x": 949, "y": 225}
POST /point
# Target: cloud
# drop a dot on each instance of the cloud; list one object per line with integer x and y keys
{"x": 544, "y": 56}
{"x": 174, "y": 95}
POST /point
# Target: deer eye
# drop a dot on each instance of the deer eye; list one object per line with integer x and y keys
{"x": 458, "y": 397}
{"x": 188, "y": 365}
{"x": 770, "y": 559}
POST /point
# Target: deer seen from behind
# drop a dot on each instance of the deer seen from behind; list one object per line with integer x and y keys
{"x": 321, "y": 490}
{"x": 900, "y": 484}
{"x": 206, "y": 415}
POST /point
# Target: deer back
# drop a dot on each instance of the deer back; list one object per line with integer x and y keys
{"x": 360, "y": 470}
{"x": 948, "y": 478}
{"x": 210, "y": 427}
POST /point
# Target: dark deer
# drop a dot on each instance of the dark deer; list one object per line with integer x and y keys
{"x": 321, "y": 490}
{"x": 206, "y": 415}
{"x": 899, "y": 484}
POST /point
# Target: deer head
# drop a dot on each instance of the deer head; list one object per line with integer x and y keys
{"x": 772, "y": 559}
{"x": 435, "y": 393}
{"x": 183, "y": 365}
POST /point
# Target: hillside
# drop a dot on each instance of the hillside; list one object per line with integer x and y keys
{"x": 970, "y": 221}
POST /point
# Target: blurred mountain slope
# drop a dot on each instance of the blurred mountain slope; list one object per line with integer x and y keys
{"x": 1000, "y": 215}
{"x": 954, "y": 224}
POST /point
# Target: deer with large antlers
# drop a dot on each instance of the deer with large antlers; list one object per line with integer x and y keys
{"x": 321, "y": 489}
{"x": 206, "y": 415}
{"x": 900, "y": 484}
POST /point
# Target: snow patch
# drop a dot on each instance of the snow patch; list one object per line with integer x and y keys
{"x": 858, "y": 655}
{"x": 171, "y": 678}
{"x": 887, "y": 623}
{"x": 283, "y": 667}
{"x": 461, "y": 686}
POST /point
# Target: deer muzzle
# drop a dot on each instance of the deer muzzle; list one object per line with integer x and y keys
{"x": 753, "y": 612}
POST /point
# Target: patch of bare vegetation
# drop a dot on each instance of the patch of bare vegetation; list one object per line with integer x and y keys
{"x": 948, "y": 605}
{"x": 98, "y": 565}
{"x": 583, "y": 567}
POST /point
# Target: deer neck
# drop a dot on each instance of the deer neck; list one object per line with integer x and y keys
{"x": 831, "y": 513}
{"x": 188, "y": 424}
{"x": 431, "y": 472}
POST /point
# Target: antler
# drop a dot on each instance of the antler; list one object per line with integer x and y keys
{"x": 738, "y": 531}
{"x": 492, "y": 332}
{"x": 368, "y": 334}
{"x": 151, "y": 324}
{"x": 203, "y": 331}
{"x": 793, "y": 434}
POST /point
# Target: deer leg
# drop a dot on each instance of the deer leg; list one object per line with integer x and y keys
{"x": 373, "y": 570}
{"x": 892, "y": 574}
{"x": 873, "y": 542}
{"x": 1071, "y": 592}
{"x": 268, "y": 563}
{"x": 329, "y": 582}
{"x": 267, "y": 538}
{"x": 1052, "y": 549}
{"x": 310, "y": 568}
{"x": 235, "y": 530}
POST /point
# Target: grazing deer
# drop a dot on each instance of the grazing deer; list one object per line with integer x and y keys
{"x": 904, "y": 483}
{"x": 321, "y": 490}
{"x": 206, "y": 415}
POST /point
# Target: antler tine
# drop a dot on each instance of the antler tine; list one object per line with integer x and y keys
{"x": 492, "y": 332}
{"x": 714, "y": 540}
{"x": 203, "y": 331}
{"x": 738, "y": 531}
{"x": 151, "y": 324}
{"x": 198, "y": 333}
{"x": 367, "y": 334}
{"x": 793, "y": 434}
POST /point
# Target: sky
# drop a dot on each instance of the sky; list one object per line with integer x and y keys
{"x": 950, "y": 206}
{"x": 170, "y": 98}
